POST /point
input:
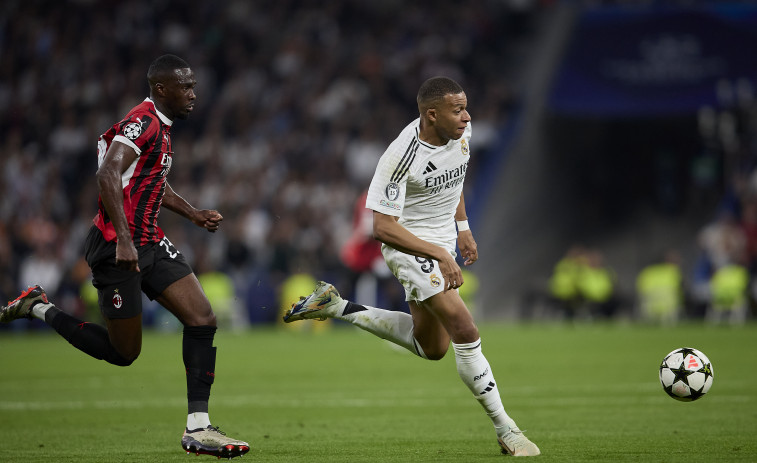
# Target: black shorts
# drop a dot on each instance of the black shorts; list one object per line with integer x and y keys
{"x": 118, "y": 290}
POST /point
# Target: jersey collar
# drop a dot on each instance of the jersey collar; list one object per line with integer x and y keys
{"x": 427, "y": 145}
{"x": 163, "y": 118}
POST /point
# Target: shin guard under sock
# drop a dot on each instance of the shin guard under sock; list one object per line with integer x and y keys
{"x": 476, "y": 373}
{"x": 90, "y": 338}
{"x": 394, "y": 326}
{"x": 200, "y": 363}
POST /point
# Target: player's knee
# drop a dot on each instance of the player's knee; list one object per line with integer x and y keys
{"x": 124, "y": 358}
{"x": 207, "y": 318}
{"x": 465, "y": 334}
{"x": 435, "y": 353}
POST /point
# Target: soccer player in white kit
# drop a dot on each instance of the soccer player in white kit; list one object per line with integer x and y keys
{"x": 419, "y": 215}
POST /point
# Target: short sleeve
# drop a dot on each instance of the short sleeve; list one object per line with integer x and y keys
{"x": 386, "y": 193}
{"x": 138, "y": 132}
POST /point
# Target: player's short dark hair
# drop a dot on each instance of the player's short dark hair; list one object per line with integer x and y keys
{"x": 435, "y": 88}
{"x": 163, "y": 66}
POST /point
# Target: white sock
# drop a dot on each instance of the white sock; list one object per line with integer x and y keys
{"x": 394, "y": 326}
{"x": 39, "y": 309}
{"x": 476, "y": 373}
{"x": 197, "y": 420}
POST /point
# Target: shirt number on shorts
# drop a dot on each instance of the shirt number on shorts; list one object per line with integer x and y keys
{"x": 170, "y": 249}
{"x": 427, "y": 265}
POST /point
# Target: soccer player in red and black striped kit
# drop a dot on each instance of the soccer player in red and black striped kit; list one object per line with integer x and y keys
{"x": 129, "y": 253}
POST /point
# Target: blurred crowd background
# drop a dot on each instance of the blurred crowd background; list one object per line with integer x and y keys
{"x": 296, "y": 101}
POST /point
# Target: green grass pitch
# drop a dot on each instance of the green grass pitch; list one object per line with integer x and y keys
{"x": 583, "y": 393}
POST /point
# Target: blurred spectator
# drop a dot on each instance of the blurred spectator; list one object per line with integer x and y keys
{"x": 219, "y": 289}
{"x": 724, "y": 241}
{"x": 728, "y": 287}
{"x": 724, "y": 246}
{"x": 563, "y": 284}
{"x": 596, "y": 286}
{"x": 360, "y": 252}
{"x": 43, "y": 265}
{"x": 659, "y": 290}
{"x": 469, "y": 290}
{"x": 582, "y": 286}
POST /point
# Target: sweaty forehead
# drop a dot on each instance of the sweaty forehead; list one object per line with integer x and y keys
{"x": 179, "y": 76}
{"x": 183, "y": 75}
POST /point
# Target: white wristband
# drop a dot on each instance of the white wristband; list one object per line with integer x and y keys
{"x": 462, "y": 225}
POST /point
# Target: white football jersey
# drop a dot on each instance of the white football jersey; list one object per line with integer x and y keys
{"x": 421, "y": 184}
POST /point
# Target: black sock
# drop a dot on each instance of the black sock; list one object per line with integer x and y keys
{"x": 352, "y": 308}
{"x": 200, "y": 363}
{"x": 90, "y": 338}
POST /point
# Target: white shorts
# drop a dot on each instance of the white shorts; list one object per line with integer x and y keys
{"x": 420, "y": 276}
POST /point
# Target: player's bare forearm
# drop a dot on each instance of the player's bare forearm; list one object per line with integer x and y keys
{"x": 115, "y": 162}
{"x": 460, "y": 213}
{"x": 109, "y": 186}
{"x": 175, "y": 203}
{"x": 388, "y": 231}
{"x": 205, "y": 218}
{"x": 465, "y": 241}
{"x": 108, "y": 176}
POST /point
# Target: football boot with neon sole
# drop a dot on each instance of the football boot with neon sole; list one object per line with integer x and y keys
{"x": 212, "y": 441}
{"x": 21, "y": 307}
{"x": 516, "y": 444}
{"x": 320, "y": 304}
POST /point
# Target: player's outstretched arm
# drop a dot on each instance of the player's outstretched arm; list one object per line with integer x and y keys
{"x": 205, "y": 218}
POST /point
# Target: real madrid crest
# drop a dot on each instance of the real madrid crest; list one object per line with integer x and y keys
{"x": 464, "y": 147}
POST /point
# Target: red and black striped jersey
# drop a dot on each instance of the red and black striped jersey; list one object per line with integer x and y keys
{"x": 148, "y": 132}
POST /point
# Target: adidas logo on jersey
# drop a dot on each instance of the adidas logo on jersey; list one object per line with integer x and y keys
{"x": 429, "y": 168}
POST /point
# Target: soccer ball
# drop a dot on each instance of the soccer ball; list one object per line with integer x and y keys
{"x": 686, "y": 374}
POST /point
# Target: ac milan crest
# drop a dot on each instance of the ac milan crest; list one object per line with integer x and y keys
{"x": 118, "y": 301}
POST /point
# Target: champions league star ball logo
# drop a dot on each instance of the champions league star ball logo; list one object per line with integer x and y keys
{"x": 133, "y": 130}
{"x": 392, "y": 191}
{"x": 686, "y": 374}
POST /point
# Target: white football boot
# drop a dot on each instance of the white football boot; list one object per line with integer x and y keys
{"x": 516, "y": 444}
